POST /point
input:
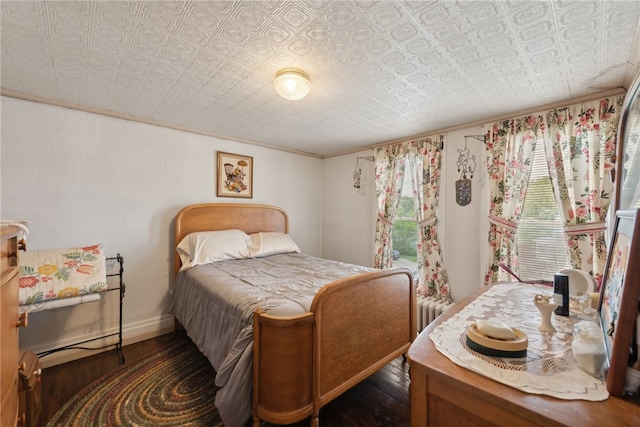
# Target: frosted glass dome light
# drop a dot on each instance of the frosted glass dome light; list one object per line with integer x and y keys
{"x": 292, "y": 84}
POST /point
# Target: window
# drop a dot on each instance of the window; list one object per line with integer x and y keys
{"x": 541, "y": 244}
{"x": 405, "y": 228}
{"x": 631, "y": 190}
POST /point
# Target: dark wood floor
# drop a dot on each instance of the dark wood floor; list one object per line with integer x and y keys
{"x": 61, "y": 382}
{"x": 380, "y": 400}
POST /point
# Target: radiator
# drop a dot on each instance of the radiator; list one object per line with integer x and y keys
{"x": 428, "y": 309}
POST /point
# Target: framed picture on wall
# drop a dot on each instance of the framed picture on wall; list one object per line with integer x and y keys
{"x": 234, "y": 175}
{"x": 618, "y": 306}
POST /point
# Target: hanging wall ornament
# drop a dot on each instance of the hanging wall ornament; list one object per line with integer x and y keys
{"x": 357, "y": 173}
{"x": 463, "y": 191}
{"x": 466, "y": 166}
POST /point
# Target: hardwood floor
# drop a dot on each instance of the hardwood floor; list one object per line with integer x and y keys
{"x": 61, "y": 382}
{"x": 380, "y": 400}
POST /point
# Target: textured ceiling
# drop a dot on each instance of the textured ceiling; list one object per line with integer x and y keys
{"x": 380, "y": 70}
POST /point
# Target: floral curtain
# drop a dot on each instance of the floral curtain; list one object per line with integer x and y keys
{"x": 426, "y": 163}
{"x": 509, "y": 146}
{"x": 389, "y": 167}
{"x": 579, "y": 144}
{"x": 424, "y": 159}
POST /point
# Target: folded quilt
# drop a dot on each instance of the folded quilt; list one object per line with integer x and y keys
{"x": 61, "y": 273}
{"x": 57, "y": 303}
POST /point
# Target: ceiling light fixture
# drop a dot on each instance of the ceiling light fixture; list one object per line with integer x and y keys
{"x": 292, "y": 84}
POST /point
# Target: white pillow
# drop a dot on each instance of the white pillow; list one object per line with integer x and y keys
{"x": 205, "y": 247}
{"x": 271, "y": 243}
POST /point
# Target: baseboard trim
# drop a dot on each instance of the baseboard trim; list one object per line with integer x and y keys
{"x": 131, "y": 334}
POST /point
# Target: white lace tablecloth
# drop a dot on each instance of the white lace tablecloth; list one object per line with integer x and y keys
{"x": 549, "y": 367}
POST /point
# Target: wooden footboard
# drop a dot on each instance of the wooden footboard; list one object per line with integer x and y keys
{"x": 355, "y": 327}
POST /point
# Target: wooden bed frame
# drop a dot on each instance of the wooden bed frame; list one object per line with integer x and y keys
{"x": 355, "y": 326}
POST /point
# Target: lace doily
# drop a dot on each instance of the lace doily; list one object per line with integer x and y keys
{"x": 549, "y": 367}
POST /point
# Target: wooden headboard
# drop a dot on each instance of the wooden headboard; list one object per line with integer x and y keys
{"x": 223, "y": 216}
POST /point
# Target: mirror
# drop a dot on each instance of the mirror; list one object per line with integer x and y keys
{"x": 627, "y": 163}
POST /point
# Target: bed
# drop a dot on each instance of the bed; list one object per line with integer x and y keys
{"x": 280, "y": 357}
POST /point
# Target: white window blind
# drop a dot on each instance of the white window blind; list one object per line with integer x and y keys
{"x": 541, "y": 245}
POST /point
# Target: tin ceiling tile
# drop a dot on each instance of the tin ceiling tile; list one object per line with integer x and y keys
{"x": 380, "y": 70}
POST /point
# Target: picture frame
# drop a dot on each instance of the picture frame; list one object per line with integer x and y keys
{"x": 627, "y": 160}
{"x": 619, "y": 293}
{"x": 234, "y": 175}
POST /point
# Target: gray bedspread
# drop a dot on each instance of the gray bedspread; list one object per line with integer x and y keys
{"x": 215, "y": 303}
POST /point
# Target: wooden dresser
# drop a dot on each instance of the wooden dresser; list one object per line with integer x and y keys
{"x": 445, "y": 394}
{"x": 9, "y": 327}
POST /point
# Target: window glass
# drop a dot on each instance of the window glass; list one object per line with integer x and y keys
{"x": 541, "y": 244}
{"x": 405, "y": 228}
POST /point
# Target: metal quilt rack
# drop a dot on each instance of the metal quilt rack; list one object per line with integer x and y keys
{"x": 118, "y": 345}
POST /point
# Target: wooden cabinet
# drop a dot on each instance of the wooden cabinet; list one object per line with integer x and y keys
{"x": 445, "y": 394}
{"x": 9, "y": 327}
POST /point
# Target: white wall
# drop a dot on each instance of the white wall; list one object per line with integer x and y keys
{"x": 82, "y": 178}
{"x": 464, "y": 235}
{"x": 349, "y": 214}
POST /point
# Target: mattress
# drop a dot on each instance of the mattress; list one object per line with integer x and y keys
{"x": 215, "y": 303}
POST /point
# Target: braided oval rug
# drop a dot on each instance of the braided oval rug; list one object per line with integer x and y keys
{"x": 171, "y": 387}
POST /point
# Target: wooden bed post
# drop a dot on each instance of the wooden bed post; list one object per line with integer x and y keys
{"x": 282, "y": 368}
{"x": 315, "y": 419}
